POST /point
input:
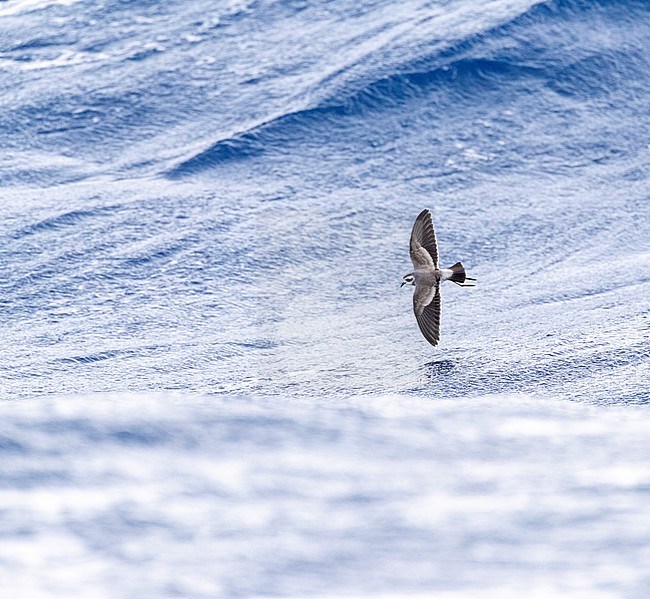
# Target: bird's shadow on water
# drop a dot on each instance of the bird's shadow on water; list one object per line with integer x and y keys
{"x": 439, "y": 368}
{"x": 440, "y": 376}
{"x": 448, "y": 378}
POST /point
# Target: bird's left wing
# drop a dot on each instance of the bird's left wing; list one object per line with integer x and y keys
{"x": 423, "y": 247}
{"x": 426, "y": 306}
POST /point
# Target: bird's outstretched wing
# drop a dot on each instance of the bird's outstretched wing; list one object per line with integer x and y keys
{"x": 426, "y": 305}
{"x": 424, "y": 247}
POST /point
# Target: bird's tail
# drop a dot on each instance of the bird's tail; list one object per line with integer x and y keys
{"x": 459, "y": 276}
{"x": 458, "y": 273}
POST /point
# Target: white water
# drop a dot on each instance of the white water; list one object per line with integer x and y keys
{"x": 164, "y": 496}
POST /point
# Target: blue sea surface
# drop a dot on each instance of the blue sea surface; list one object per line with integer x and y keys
{"x": 212, "y": 384}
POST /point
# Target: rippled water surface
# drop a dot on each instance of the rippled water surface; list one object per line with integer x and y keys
{"x": 212, "y": 384}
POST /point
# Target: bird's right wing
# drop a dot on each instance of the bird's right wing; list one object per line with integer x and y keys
{"x": 423, "y": 247}
{"x": 426, "y": 306}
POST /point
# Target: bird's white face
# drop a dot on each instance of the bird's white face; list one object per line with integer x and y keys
{"x": 408, "y": 279}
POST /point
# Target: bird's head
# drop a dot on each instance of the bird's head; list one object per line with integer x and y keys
{"x": 408, "y": 279}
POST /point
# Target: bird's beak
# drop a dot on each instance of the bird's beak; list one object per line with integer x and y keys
{"x": 402, "y": 285}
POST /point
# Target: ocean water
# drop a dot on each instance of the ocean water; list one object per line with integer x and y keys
{"x": 212, "y": 384}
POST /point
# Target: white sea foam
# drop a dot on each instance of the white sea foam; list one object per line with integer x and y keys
{"x": 17, "y": 7}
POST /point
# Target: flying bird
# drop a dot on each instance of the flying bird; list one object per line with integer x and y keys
{"x": 426, "y": 277}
